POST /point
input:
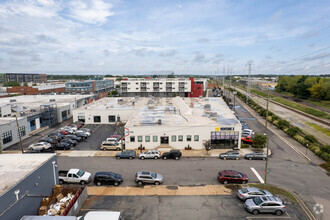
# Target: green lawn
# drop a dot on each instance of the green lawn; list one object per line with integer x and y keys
{"x": 319, "y": 128}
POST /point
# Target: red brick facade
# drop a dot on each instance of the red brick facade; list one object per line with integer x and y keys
{"x": 29, "y": 90}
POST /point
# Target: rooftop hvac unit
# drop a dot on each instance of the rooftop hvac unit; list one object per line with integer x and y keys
{"x": 159, "y": 121}
{"x": 52, "y": 100}
{"x": 213, "y": 114}
{"x": 12, "y": 100}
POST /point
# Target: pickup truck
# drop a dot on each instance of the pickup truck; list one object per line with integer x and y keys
{"x": 74, "y": 176}
{"x": 247, "y": 139}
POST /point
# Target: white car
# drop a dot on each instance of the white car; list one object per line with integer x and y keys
{"x": 151, "y": 154}
{"x": 115, "y": 140}
{"x": 40, "y": 145}
{"x": 84, "y": 132}
{"x": 248, "y": 131}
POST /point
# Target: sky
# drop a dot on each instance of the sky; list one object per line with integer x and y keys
{"x": 153, "y": 36}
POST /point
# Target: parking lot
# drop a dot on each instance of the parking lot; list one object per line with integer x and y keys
{"x": 182, "y": 207}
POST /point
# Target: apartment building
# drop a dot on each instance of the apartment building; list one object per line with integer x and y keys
{"x": 163, "y": 87}
{"x": 23, "y": 77}
{"x": 98, "y": 85}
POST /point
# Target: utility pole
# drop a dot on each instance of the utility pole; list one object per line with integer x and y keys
{"x": 266, "y": 134}
{"x": 223, "y": 81}
{"x": 228, "y": 92}
{"x": 19, "y": 135}
{"x": 122, "y": 136}
{"x": 0, "y": 145}
{"x": 248, "y": 84}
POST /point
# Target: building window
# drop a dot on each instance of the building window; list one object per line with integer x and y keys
{"x": 112, "y": 118}
{"x": 132, "y": 138}
{"x": 7, "y": 137}
{"x": 196, "y": 138}
{"x": 147, "y": 138}
{"x": 180, "y": 138}
{"x": 81, "y": 118}
{"x": 173, "y": 138}
{"x": 155, "y": 138}
{"x": 22, "y": 131}
{"x": 97, "y": 118}
{"x": 139, "y": 138}
{"x": 188, "y": 137}
{"x": 226, "y": 129}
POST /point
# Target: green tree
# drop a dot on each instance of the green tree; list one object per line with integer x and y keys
{"x": 259, "y": 141}
{"x": 301, "y": 88}
{"x": 11, "y": 83}
{"x": 283, "y": 123}
{"x": 25, "y": 84}
{"x": 171, "y": 75}
{"x": 310, "y": 138}
{"x": 293, "y": 131}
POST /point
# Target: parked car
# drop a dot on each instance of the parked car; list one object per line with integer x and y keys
{"x": 251, "y": 192}
{"x": 234, "y": 155}
{"x": 117, "y": 136}
{"x": 143, "y": 177}
{"x": 232, "y": 176}
{"x": 114, "y": 139}
{"x": 86, "y": 129}
{"x": 110, "y": 146}
{"x": 256, "y": 156}
{"x": 48, "y": 140}
{"x": 73, "y": 128}
{"x": 173, "y": 154}
{"x": 62, "y": 146}
{"x": 40, "y": 150}
{"x": 40, "y": 145}
{"x": 151, "y": 154}
{"x": 244, "y": 126}
{"x": 107, "y": 178}
{"x": 57, "y": 136}
{"x": 247, "y": 139}
{"x": 127, "y": 154}
{"x": 77, "y": 124}
{"x": 246, "y": 130}
{"x": 102, "y": 215}
{"x": 73, "y": 137}
{"x": 74, "y": 176}
{"x": 67, "y": 130}
{"x": 265, "y": 204}
{"x": 70, "y": 141}
{"x": 83, "y": 132}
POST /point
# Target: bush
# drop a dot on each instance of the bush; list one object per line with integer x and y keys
{"x": 245, "y": 146}
{"x": 300, "y": 139}
{"x": 259, "y": 141}
{"x": 325, "y": 156}
{"x": 326, "y": 149}
{"x": 283, "y": 124}
{"x": 293, "y": 131}
{"x": 310, "y": 138}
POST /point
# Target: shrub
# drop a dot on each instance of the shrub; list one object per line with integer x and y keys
{"x": 310, "y": 138}
{"x": 283, "y": 123}
{"x": 293, "y": 131}
{"x": 326, "y": 149}
{"x": 325, "y": 156}
{"x": 300, "y": 139}
{"x": 245, "y": 146}
{"x": 259, "y": 141}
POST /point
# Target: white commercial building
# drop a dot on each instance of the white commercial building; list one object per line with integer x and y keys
{"x": 167, "y": 122}
{"x": 163, "y": 87}
{"x": 34, "y": 112}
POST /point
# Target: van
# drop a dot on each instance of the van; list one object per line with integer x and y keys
{"x": 110, "y": 145}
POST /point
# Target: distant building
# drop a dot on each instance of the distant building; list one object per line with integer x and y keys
{"x": 24, "y": 180}
{"x": 23, "y": 77}
{"x": 90, "y": 86}
{"x": 163, "y": 87}
{"x": 35, "y": 90}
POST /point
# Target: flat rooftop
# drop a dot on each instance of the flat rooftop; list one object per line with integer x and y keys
{"x": 15, "y": 167}
{"x": 171, "y": 111}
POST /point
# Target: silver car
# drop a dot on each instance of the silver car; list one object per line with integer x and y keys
{"x": 143, "y": 177}
{"x": 151, "y": 154}
{"x": 265, "y": 204}
{"x": 40, "y": 145}
{"x": 235, "y": 155}
{"x": 251, "y": 192}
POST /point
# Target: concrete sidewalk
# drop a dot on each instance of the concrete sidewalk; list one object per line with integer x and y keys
{"x": 163, "y": 190}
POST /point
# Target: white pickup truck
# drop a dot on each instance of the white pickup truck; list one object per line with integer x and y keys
{"x": 74, "y": 176}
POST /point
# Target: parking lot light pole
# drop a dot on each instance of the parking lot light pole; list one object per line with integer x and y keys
{"x": 234, "y": 92}
{"x": 306, "y": 148}
{"x": 266, "y": 134}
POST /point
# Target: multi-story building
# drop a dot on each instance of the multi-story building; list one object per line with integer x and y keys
{"x": 95, "y": 86}
{"x": 35, "y": 90}
{"x": 163, "y": 87}
{"x": 23, "y": 77}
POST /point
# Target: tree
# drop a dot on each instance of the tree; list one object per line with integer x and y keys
{"x": 25, "y": 84}
{"x": 301, "y": 89}
{"x": 117, "y": 86}
{"x": 293, "y": 131}
{"x": 259, "y": 141}
{"x": 283, "y": 123}
{"x": 11, "y": 83}
{"x": 171, "y": 75}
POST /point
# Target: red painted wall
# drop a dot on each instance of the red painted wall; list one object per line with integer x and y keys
{"x": 196, "y": 89}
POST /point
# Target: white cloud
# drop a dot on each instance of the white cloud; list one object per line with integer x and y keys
{"x": 92, "y": 11}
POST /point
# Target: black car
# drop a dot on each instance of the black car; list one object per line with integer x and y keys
{"x": 73, "y": 137}
{"x": 40, "y": 150}
{"x": 173, "y": 154}
{"x": 107, "y": 178}
{"x": 127, "y": 154}
{"x": 62, "y": 146}
{"x": 56, "y": 135}
{"x": 70, "y": 141}
{"x": 48, "y": 140}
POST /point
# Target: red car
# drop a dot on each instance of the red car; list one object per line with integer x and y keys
{"x": 232, "y": 176}
{"x": 247, "y": 139}
{"x": 64, "y": 132}
{"x": 116, "y": 136}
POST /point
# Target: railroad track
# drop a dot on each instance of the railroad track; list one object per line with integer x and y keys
{"x": 325, "y": 122}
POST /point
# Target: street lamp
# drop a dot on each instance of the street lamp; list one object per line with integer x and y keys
{"x": 234, "y": 92}
{"x": 267, "y": 142}
{"x": 306, "y": 148}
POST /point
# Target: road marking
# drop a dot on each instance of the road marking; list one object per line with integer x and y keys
{"x": 257, "y": 175}
{"x": 263, "y": 217}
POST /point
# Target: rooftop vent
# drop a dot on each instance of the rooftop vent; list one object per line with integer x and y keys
{"x": 52, "y": 100}
{"x": 12, "y": 100}
{"x": 159, "y": 121}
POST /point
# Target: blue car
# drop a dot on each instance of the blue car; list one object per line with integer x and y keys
{"x": 127, "y": 154}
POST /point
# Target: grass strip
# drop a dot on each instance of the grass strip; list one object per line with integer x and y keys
{"x": 319, "y": 128}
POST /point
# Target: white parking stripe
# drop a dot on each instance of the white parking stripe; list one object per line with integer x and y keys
{"x": 257, "y": 175}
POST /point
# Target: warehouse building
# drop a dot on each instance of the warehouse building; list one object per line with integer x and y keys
{"x": 35, "y": 112}
{"x": 176, "y": 123}
{"x": 163, "y": 87}
{"x": 24, "y": 180}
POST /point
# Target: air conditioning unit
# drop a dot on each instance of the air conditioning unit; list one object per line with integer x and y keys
{"x": 12, "y": 100}
{"x": 52, "y": 100}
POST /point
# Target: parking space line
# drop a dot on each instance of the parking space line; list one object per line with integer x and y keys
{"x": 263, "y": 217}
{"x": 257, "y": 175}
